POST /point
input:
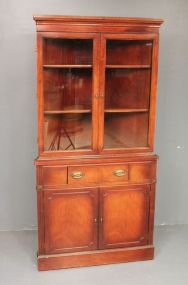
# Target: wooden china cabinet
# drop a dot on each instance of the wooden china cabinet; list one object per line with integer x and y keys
{"x": 96, "y": 173}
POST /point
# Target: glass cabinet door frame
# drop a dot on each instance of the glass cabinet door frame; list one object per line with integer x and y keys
{"x": 95, "y": 90}
{"x": 153, "y": 86}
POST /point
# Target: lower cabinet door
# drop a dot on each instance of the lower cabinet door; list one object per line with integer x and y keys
{"x": 71, "y": 220}
{"x": 124, "y": 214}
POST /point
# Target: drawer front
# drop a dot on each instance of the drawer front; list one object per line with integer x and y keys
{"x": 142, "y": 171}
{"x": 54, "y": 175}
{"x": 136, "y": 172}
{"x": 97, "y": 174}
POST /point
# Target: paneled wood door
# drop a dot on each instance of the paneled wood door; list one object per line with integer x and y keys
{"x": 71, "y": 220}
{"x": 124, "y": 216}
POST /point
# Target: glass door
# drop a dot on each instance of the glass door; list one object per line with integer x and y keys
{"x": 68, "y": 67}
{"x": 128, "y": 65}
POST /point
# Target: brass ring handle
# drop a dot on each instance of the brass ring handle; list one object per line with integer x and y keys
{"x": 77, "y": 174}
{"x": 119, "y": 172}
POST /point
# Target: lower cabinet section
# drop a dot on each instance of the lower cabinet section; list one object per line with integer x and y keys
{"x": 88, "y": 219}
{"x": 70, "y": 220}
{"x": 124, "y": 213}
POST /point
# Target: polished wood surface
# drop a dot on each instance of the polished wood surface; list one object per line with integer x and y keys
{"x": 142, "y": 171}
{"x": 125, "y": 110}
{"x": 98, "y": 19}
{"x": 124, "y": 216}
{"x": 67, "y": 65}
{"x": 54, "y": 175}
{"x": 72, "y": 111}
{"x": 125, "y": 66}
{"x": 96, "y": 173}
{"x": 47, "y": 262}
{"x": 99, "y": 24}
{"x": 71, "y": 219}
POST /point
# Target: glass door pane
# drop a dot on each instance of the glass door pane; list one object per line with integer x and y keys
{"x": 67, "y": 87}
{"x": 127, "y": 93}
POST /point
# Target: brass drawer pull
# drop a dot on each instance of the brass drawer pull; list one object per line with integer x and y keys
{"x": 119, "y": 172}
{"x": 77, "y": 174}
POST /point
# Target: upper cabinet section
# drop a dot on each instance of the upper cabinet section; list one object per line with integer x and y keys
{"x": 96, "y": 84}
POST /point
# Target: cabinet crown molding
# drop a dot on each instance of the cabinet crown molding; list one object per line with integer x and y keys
{"x": 98, "y": 20}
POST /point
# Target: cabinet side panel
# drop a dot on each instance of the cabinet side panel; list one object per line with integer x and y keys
{"x": 153, "y": 91}
{"x": 151, "y": 213}
{"x": 40, "y": 93}
{"x": 40, "y": 208}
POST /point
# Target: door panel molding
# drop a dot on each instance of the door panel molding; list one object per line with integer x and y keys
{"x": 71, "y": 220}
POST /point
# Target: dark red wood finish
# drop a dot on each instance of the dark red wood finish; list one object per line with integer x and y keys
{"x": 96, "y": 173}
{"x": 124, "y": 216}
{"x": 71, "y": 219}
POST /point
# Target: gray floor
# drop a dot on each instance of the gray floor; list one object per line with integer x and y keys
{"x": 18, "y": 263}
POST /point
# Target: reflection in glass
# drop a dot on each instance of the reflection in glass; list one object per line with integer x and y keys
{"x": 67, "y": 132}
{"x": 67, "y": 88}
{"x": 127, "y": 88}
{"x": 127, "y": 93}
{"x": 128, "y": 52}
{"x": 126, "y": 130}
{"x": 67, "y": 51}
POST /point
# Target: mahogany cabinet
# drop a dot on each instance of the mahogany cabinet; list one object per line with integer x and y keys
{"x": 96, "y": 171}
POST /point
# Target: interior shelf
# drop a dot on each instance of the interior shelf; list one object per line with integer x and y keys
{"x": 127, "y": 66}
{"x": 73, "y": 111}
{"x": 67, "y": 65}
{"x": 128, "y": 110}
{"x": 85, "y": 111}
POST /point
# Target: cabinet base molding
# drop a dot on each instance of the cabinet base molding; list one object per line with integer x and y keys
{"x": 78, "y": 259}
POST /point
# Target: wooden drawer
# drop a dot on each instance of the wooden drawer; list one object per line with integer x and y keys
{"x": 54, "y": 175}
{"x": 136, "y": 172}
{"x": 142, "y": 171}
{"x": 97, "y": 174}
